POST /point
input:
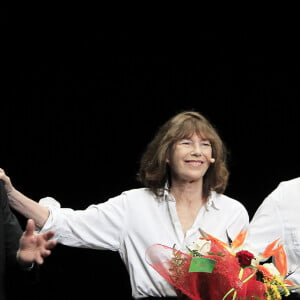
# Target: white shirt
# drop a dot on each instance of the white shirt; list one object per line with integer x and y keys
{"x": 135, "y": 220}
{"x": 279, "y": 217}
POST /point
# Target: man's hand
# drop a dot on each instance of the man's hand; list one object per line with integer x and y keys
{"x": 34, "y": 247}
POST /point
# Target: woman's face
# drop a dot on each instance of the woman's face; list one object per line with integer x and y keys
{"x": 190, "y": 158}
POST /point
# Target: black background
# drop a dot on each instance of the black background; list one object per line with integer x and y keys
{"x": 81, "y": 97}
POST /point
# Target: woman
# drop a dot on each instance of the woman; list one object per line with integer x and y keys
{"x": 184, "y": 173}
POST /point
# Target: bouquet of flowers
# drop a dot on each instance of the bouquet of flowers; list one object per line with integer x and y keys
{"x": 214, "y": 270}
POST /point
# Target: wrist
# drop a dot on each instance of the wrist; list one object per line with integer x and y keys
{"x": 10, "y": 191}
{"x": 24, "y": 264}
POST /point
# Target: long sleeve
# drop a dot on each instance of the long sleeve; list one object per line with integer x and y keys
{"x": 10, "y": 233}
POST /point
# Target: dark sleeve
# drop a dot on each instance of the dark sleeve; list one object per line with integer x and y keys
{"x": 12, "y": 273}
{"x": 10, "y": 231}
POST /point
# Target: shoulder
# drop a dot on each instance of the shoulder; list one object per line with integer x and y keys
{"x": 138, "y": 192}
{"x": 135, "y": 200}
{"x": 138, "y": 195}
{"x": 292, "y": 183}
{"x": 225, "y": 202}
{"x": 286, "y": 191}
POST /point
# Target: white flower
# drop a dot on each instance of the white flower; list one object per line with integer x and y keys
{"x": 271, "y": 268}
{"x": 202, "y": 246}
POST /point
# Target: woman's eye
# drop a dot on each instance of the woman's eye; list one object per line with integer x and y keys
{"x": 206, "y": 144}
{"x": 188, "y": 143}
{"x": 185, "y": 142}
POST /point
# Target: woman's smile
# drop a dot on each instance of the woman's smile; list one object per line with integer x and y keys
{"x": 194, "y": 163}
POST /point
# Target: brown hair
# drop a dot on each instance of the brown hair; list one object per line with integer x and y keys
{"x": 154, "y": 172}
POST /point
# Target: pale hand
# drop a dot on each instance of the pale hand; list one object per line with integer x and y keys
{"x": 34, "y": 247}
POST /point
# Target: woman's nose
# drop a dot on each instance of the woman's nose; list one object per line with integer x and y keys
{"x": 196, "y": 149}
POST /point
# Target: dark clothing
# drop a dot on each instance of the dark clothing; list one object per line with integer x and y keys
{"x": 10, "y": 233}
{"x": 179, "y": 297}
{"x": 293, "y": 296}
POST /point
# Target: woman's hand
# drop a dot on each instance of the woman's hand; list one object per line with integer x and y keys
{"x": 7, "y": 183}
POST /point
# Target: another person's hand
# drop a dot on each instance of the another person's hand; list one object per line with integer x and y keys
{"x": 34, "y": 247}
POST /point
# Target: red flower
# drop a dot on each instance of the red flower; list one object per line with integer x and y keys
{"x": 244, "y": 258}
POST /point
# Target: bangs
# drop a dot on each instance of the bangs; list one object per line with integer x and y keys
{"x": 190, "y": 126}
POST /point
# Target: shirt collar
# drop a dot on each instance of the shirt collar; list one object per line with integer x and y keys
{"x": 213, "y": 200}
{"x": 166, "y": 193}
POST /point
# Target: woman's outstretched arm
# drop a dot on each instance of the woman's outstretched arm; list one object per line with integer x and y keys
{"x": 24, "y": 205}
